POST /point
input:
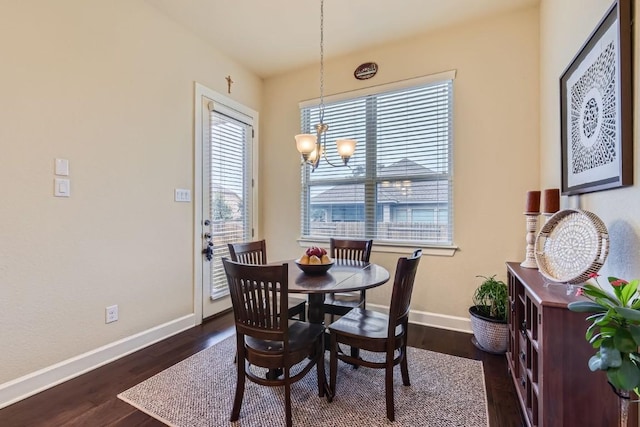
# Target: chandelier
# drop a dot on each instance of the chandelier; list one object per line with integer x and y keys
{"x": 313, "y": 146}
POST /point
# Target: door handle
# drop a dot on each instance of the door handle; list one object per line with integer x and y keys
{"x": 208, "y": 252}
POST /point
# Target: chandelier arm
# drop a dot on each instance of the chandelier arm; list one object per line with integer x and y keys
{"x": 322, "y": 135}
{"x": 334, "y": 165}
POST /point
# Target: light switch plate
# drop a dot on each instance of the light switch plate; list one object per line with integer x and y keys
{"x": 182, "y": 195}
{"x": 62, "y": 187}
{"x": 62, "y": 167}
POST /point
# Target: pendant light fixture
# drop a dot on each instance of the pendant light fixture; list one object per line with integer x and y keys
{"x": 312, "y": 147}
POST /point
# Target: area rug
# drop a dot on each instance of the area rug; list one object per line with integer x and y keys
{"x": 445, "y": 391}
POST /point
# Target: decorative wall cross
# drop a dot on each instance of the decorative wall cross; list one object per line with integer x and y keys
{"x": 229, "y": 82}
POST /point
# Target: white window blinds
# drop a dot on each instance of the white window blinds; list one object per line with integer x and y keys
{"x": 229, "y": 191}
{"x": 398, "y": 185}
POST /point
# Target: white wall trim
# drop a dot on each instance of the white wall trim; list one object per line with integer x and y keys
{"x": 436, "y": 320}
{"x": 202, "y": 302}
{"x": 35, "y": 382}
{"x": 385, "y": 87}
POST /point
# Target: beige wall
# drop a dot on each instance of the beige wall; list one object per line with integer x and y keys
{"x": 495, "y": 150}
{"x": 108, "y": 85}
{"x": 564, "y": 27}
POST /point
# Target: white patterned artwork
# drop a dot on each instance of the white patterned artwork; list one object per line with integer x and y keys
{"x": 592, "y": 117}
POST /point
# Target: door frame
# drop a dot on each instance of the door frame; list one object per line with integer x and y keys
{"x": 201, "y": 92}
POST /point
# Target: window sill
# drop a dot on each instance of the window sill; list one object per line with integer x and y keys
{"x": 387, "y": 247}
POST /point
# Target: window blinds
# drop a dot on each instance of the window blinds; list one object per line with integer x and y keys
{"x": 229, "y": 191}
{"x": 398, "y": 185}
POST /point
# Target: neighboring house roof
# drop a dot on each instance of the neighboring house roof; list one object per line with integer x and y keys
{"x": 404, "y": 167}
{"x": 226, "y": 193}
{"x": 396, "y": 192}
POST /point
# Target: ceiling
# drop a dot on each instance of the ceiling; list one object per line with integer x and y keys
{"x": 272, "y": 36}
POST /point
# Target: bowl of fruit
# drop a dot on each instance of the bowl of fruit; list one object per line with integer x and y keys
{"x": 314, "y": 261}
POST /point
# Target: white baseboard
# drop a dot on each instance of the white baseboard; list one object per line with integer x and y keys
{"x": 35, "y": 382}
{"x": 442, "y": 321}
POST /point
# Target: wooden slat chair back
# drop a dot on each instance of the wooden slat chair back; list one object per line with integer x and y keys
{"x": 378, "y": 332}
{"x": 349, "y": 250}
{"x": 356, "y": 250}
{"x": 249, "y": 252}
{"x": 265, "y": 336}
{"x": 256, "y": 253}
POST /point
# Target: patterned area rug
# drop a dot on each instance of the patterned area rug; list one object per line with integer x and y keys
{"x": 445, "y": 391}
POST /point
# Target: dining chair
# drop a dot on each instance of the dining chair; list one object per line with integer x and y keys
{"x": 353, "y": 250}
{"x": 265, "y": 337}
{"x": 256, "y": 253}
{"x": 378, "y": 332}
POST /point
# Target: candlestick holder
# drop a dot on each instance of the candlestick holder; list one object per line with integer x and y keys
{"x": 532, "y": 226}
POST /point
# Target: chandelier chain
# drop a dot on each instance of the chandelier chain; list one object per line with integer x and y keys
{"x": 321, "y": 61}
{"x": 314, "y": 147}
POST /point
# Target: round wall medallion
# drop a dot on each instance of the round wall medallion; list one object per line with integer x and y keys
{"x": 366, "y": 71}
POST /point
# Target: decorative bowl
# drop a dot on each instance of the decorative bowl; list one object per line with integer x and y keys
{"x": 572, "y": 245}
{"x": 314, "y": 269}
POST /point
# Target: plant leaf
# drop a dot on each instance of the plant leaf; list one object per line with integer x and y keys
{"x": 610, "y": 357}
{"x": 597, "y": 292}
{"x": 595, "y": 363}
{"x": 628, "y": 313}
{"x": 626, "y": 377}
{"x": 586, "y": 307}
{"x": 597, "y": 338}
{"x": 624, "y": 342}
{"x": 628, "y": 291}
{"x": 634, "y": 330}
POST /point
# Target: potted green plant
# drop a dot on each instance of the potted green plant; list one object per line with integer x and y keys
{"x": 614, "y": 333}
{"x": 489, "y": 315}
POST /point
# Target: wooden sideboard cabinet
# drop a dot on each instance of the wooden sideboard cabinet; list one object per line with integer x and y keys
{"x": 548, "y": 357}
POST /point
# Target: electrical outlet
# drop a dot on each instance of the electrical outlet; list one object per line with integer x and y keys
{"x": 111, "y": 314}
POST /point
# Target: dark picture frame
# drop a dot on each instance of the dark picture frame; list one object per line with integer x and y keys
{"x": 596, "y": 108}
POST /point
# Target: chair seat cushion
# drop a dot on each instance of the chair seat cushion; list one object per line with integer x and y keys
{"x": 360, "y": 322}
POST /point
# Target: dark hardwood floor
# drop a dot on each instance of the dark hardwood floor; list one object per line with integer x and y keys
{"x": 90, "y": 400}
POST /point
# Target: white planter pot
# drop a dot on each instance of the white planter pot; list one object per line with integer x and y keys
{"x": 490, "y": 335}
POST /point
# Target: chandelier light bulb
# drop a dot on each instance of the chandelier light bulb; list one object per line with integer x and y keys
{"x": 306, "y": 143}
{"x": 346, "y": 148}
{"x": 313, "y": 156}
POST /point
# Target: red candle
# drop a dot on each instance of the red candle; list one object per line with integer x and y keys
{"x": 551, "y": 200}
{"x": 533, "y": 202}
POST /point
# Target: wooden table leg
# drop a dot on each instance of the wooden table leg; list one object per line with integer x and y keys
{"x": 315, "y": 312}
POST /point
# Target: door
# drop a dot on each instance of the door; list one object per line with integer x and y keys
{"x": 227, "y": 192}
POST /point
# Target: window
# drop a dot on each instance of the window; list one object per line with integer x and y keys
{"x": 397, "y": 187}
{"x": 229, "y": 189}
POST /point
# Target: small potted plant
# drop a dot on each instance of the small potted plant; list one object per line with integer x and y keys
{"x": 489, "y": 315}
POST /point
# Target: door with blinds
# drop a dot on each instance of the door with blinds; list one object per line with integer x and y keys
{"x": 227, "y": 191}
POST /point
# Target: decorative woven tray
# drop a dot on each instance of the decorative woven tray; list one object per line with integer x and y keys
{"x": 571, "y": 245}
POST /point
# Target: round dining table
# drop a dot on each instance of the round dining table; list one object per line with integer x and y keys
{"x": 343, "y": 276}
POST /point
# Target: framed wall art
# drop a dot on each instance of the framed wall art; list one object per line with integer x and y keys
{"x": 596, "y": 108}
